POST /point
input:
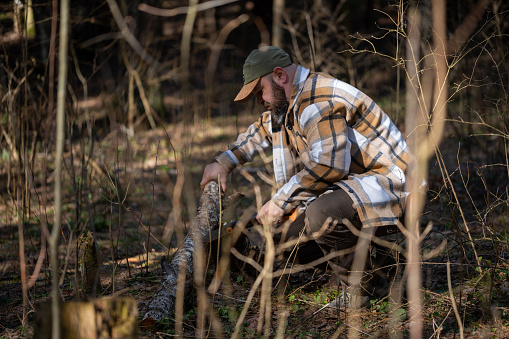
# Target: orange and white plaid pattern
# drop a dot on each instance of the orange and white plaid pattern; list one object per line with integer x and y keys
{"x": 334, "y": 136}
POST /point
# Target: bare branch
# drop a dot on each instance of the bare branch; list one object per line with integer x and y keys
{"x": 182, "y": 10}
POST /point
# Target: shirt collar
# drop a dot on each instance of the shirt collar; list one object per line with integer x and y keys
{"x": 298, "y": 83}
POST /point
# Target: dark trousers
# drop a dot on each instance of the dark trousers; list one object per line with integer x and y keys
{"x": 371, "y": 279}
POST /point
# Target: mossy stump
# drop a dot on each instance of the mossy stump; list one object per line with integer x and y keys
{"x": 103, "y": 318}
{"x": 89, "y": 266}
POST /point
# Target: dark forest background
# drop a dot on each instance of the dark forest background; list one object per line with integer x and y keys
{"x": 149, "y": 100}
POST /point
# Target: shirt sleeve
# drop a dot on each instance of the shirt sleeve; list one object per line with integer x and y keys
{"x": 326, "y": 158}
{"x": 257, "y": 138}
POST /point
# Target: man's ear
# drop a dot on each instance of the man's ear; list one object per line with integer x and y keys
{"x": 279, "y": 76}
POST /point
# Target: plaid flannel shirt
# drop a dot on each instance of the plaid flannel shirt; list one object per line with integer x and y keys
{"x": 334, "y": 136}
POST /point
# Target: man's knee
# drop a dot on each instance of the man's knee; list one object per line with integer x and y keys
{"x": 329, "y": 208}
{"x": 314, "y": 218}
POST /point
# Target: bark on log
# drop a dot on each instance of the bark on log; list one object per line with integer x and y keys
{"x": 163, "y": 302}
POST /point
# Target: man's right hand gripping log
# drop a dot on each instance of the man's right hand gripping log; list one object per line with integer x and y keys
{"x": 215, "y": 170}
{"x": 336, "y": 155}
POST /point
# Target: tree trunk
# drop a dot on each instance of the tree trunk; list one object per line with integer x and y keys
{"x": 467, "y": 27}
{"x": 104, "y": 318}
{"x": 277, "y": 29}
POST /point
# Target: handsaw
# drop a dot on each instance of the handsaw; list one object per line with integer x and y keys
{"x": 227, "y": 228}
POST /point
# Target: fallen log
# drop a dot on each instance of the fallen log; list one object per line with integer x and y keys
{"x": 162, "y": 303}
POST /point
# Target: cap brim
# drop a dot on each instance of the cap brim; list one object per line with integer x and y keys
{"x": 246, "y": 92}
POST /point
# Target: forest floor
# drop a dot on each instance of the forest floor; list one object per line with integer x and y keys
{"x": 135, "y": 180}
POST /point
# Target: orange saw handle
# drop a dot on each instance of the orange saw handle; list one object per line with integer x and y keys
{"x": 292, "y": 215}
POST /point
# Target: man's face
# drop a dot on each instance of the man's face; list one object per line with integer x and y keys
{"x": 273, "y": 98}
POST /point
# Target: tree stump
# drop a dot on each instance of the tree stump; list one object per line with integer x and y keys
{"x": 89, "y": 266}
{"x": 103, "y": 318}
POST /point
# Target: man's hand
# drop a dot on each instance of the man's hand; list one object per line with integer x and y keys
{"x": 211, "y": 172}
{"x": 270, "y": 213}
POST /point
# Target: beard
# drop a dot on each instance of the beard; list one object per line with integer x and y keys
{"x": 279, "y": 106}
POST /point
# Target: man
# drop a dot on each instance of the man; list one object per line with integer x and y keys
{"x": 335, "y": 154}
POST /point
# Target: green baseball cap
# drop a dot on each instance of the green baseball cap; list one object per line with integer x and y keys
{"x": 260, "y": 62}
